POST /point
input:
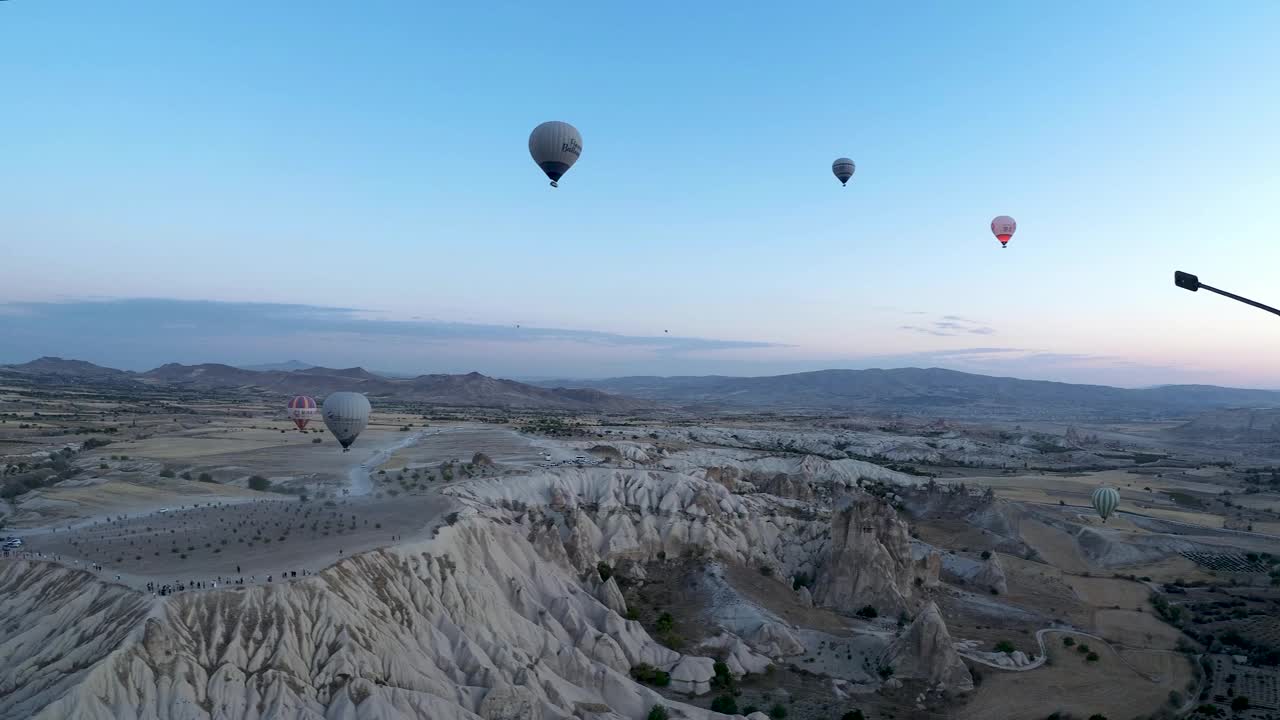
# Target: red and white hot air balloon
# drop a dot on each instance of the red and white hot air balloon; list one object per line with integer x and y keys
{"x": 1003, "y": 228}
{"x": 303, "y": 410}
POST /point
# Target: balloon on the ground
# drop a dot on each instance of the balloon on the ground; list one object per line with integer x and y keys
{"x": 346, "y": 414}
{"x": 302, "y": 410}
{"x": 1105, "y": 500}
{"x": 843, "y": 169}
{"x": 1003, "y": 227}
{"x": 555, "y": 147}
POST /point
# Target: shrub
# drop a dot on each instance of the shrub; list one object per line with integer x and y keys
{"x": 1004, "y": 646}
{"x": 259, "y": 483}
{"x": 651, "y": 675}
{"x": 605, "y": 570}
{"x": 316, "y": 441}
{"x": 185, "y": 476}
{"x": 205, "y": 477}
{"x": 854, "y": 714}
{"x": 723, "y": 679}
{"x": 1239, "y": 703}
{"x": 725, "y": 704}
{"x": 1092, "y": 657}
{"x": 167, "y": 473}
{"x": 868, "y": 612}
{"x": 778, "y": 711}
{"x": 665, "y": 622}
{"x": 658, "y": 712}
{"x": 986, "y": 554}
{"x": 103, "y": 466}
{"x": 1068, "y": 642}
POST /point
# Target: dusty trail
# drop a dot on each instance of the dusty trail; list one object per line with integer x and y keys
{"x": 362, "y": 482}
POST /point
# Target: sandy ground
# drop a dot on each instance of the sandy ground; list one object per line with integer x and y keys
{"x": 1105, "y": 592}
{"x": 261, "y": 538}
{"x": 1071, "y": 684}
{"x": 1055, "y": 546}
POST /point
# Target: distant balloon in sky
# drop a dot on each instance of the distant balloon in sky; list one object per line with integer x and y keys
{"x": 843, "y": 169}
{"x": 346, "y": 414}
{"x": 555, "y": 146}
{"x": 1003, "y": 227}
{"x": 1105, "y": 500}
{"x": 302, "y": 410}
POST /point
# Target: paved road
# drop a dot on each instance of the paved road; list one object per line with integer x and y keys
{"x": 1044, "y": 653}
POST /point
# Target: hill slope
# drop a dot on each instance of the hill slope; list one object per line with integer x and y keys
{"x": 930, "y": 391}
{"x": 470, "y": 390}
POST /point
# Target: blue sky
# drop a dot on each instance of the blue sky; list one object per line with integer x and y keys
{"x": 373, "y": 156}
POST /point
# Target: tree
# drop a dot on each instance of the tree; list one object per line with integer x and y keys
{"x": 1004, "y": 646}
{"x": 259, "y": 483}
{"x": 658, "y": 712}
{"x": 868, "y": 612}
{"x": 1091, "y": 657}
{"x": 778, "y": 711}
{"x": 725, "y": 704}
{"x": 605, "y": 570}
{"x": 723, "y": 679}
{"x": 205, "y": 477}
{"x": 854, "y": 714}
{"x": 1068, "y": 642}
{"x": 1239, "y": 704}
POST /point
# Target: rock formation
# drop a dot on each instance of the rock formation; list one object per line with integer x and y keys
{"x": 868, "y": 561}
{"x": 991, "y": 575}
{"x": 925, "y": 652}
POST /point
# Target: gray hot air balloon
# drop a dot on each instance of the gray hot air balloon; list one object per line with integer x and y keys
{"x": 1105, "y": 500}
{"x": 346, "y": 414}
{"x": 555, "y": 146}
{"x": 843, "y": 169}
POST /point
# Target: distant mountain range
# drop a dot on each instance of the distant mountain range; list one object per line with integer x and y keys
{"x": 914, "y": 391}
{"x": 932, "y": 391}
{"x": 470, "y": 390}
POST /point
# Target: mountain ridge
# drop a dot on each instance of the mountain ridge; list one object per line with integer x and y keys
{"x": 469, "y": 390}
{"x": 927, "y": 390}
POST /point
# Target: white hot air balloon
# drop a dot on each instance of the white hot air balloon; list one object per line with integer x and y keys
{"x": 1105, "y": 500}
{"x": 346, "y": 414}
{"x": 843, "y": 169}
{"x": 1003, "y": 227}
{"x": 555, "y": 146}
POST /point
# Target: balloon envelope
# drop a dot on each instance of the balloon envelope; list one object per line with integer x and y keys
{"x": 346, "y": 414}
{"x": 843, "y": 169}
{"x": 555, "y": 147}
{"x": 1003, "y": 227}
{"x": 1105, "y": 501}
{"x": 302, "y": 410}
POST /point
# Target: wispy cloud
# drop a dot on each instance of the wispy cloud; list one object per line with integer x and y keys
{"x": 948, "y": 326}
{"x": 144, "y": 332}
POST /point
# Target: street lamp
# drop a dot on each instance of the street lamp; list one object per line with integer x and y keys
{"x": 1187, "y": 281}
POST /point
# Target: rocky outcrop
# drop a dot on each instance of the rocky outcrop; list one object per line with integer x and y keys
{"x": 784, "y": 485}
{"x": 991, "y": 575}
{"x": 473, "y": 624}
{"x": 925, "y": 652}
{"x": 693, "y": 675}
{"x": 868, "y": 561}
{"x": 610, "y": 595}
{"x": 928, "y": 569}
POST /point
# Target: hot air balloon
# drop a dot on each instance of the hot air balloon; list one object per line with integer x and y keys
{"x": 843, "y": 169}
{"x": 555, "y": 146}
{"x": 346, "y": 414}
{"x": 1003, "y": 228}
{"x": 1105, "y": 500}
{"x": 302, "y": 410}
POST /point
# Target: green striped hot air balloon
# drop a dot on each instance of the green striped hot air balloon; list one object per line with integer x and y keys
{"x": 1105, "y": 500}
